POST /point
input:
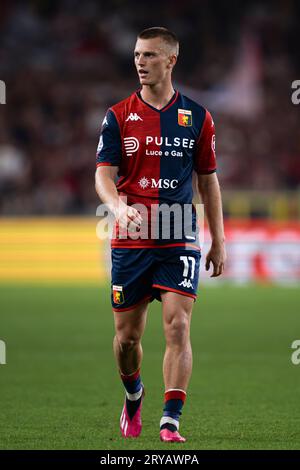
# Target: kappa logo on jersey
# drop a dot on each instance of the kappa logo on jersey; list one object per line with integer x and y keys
{"x": 134, "y": 117}
{"x": 118, "y": 295}
{"x": 160, "y": 183}
{"x": 186, "y": 283}
{"x": 184, "y": 117}
{"x": 131, "y": 145}
{"x": 105, "y": 121}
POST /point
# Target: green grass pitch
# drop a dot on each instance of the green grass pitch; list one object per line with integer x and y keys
{"x": 60, "y": 388}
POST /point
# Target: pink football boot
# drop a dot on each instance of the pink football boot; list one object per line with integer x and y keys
{"x": 171, "y": 436}
{"x": 131, "y": 427}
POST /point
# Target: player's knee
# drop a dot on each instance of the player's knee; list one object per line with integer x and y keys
{"x": 127, "y": 342}
{"x": 177, "y": 329}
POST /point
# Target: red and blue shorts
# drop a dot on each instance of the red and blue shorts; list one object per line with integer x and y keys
{"x": 140, "y": 274}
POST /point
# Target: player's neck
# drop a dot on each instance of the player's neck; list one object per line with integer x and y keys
{"x": 157, "y": 96}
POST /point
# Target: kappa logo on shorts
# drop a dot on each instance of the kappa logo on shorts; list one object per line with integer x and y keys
{"x": 118, "y": 295}
{"x": 186, "y": 283}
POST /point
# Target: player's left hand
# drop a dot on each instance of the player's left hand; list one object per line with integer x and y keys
{"x": 216, "y": 256}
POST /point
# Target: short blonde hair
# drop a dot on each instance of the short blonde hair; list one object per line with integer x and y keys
{"x": 160, "y": 32}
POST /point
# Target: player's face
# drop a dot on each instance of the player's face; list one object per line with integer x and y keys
{"x": 153, "y": 61}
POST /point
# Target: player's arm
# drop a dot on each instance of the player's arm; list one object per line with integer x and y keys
{"x": 108, "y": 159}
{"x": 107, "y": 191}
{"x": 209, "y": 189}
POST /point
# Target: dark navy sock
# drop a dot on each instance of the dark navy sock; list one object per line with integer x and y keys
{"x": 133, "y": 385}
{"x": 174, "y": 401}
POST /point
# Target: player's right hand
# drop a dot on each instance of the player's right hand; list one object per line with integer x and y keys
{"x": 128, "y": 218}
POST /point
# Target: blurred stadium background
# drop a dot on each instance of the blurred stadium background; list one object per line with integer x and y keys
{"x": 64, "y": 63}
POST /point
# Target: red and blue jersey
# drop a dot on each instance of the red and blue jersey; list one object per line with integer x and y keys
{"x": 156, "y": 152}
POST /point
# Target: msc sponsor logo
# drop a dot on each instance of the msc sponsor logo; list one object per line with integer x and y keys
{"x": 134, "y": 117}
{"x": 164, "y": 183}
{"x": 131, "y": 145}
{"x": 160, "y": 183}
{"x": 144, "y": 182}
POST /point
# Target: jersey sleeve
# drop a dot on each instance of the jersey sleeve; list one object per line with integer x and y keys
{"x": 205, "y": 154}
{"x": 109, "y": 149}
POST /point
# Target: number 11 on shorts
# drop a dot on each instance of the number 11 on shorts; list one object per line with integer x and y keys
{"x": 186, "y": 263}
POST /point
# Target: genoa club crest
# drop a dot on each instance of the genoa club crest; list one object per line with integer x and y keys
{"x": 184, "y": 117}
{"x": 118, "y": 295}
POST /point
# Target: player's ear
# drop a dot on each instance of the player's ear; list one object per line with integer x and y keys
{"x": 172, "y": 60}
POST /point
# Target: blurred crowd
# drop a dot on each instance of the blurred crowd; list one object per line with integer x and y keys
{"x": 65, "y": 62}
